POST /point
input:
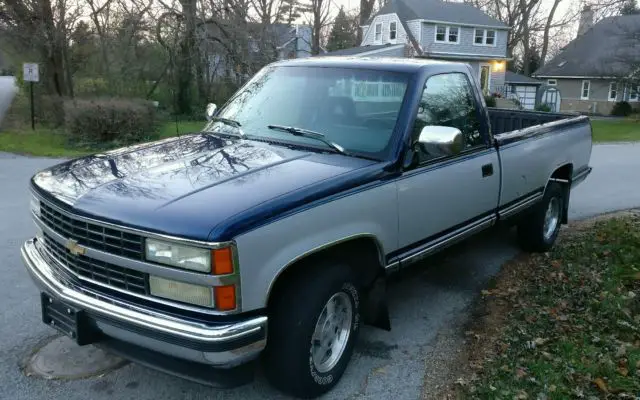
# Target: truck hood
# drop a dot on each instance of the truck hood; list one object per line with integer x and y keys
{"x": 201, "y": 186}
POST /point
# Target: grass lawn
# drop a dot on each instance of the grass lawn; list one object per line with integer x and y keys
{"x": 50, "y": 143}
{"x": 168, "y": 129}
{"x": 615, "y": 130}
{"x": 565, "y": 324}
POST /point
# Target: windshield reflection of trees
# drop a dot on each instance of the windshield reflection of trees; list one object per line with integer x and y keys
{"x": 197, "y": 161}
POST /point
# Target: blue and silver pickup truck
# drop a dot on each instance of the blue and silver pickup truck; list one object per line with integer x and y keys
{"x": 269, "y": 235}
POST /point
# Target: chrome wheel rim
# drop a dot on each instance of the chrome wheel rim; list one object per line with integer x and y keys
{"x": 332, "y": 331}
{"x": 551, "y": 218}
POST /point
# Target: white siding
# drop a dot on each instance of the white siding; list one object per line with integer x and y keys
{"x": 368, "y": 38}
{"x": 414, "y": 27}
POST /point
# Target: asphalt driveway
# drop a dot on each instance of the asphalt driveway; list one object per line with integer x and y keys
{"x": 425, "y": 303}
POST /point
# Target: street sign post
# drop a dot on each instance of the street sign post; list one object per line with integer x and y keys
{"x": 31, "y": 74}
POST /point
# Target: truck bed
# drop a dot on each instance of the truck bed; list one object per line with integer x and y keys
{"x": 507, "y": 120}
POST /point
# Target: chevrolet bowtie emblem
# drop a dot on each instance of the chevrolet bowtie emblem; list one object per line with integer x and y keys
{"x": 74, "y": 248}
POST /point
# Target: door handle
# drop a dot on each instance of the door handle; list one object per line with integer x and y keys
{"x": 487, "y": 170}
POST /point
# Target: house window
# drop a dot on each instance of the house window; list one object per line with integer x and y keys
{"x": 479, "y": 36}
{"x": 633, "y": 94}
{"x": 392, "y": 30}
{"x": 453, "y": 34}
{"x": 447, "y": 34}
{"x": 613, "y": 91}
{"x": 378, "y": 36}
{"x": 490, "y": 38}
{"x": 552, "y": 82}
{"x": 484, "y": 37}
{"x": 441, "y": 33}
{"x": 584, "y": 93}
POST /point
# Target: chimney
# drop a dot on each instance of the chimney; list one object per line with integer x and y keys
{"x": 586, "y": 20}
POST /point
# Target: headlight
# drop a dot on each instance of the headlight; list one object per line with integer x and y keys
{"x": 180, "y": 291}
{"x": 35, "y": 206}
{"x": 192, "y": 258}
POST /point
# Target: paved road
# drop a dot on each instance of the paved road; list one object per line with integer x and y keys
{"x": 423, "y": 302}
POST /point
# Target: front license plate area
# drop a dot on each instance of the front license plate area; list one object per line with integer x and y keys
{"x": 67, "y": 319}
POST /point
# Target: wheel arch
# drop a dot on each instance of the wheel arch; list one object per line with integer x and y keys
{"x": 363, "y": 252}
{"x": 563, "y": 175}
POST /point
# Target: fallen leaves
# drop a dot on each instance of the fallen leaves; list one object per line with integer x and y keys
{"x": 569, "y": 323}
{"x": 602, "y": 386}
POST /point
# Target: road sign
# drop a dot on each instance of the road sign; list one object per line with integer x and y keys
{"x": 31, "y": 72}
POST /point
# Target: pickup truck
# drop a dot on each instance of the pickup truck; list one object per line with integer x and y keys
{"x": 270, "y": 234}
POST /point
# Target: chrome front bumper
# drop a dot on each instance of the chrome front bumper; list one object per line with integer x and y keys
{"x": 223, "y": 346}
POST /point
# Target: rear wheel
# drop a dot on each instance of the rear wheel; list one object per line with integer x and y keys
{"x": 313, "y": 325}
{"x": 538, "y": 230}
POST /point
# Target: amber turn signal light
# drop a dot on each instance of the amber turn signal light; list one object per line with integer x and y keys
{"x": 225, "y": 297}
{"x": 222, "y": 260}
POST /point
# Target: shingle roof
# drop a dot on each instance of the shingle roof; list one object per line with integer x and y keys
{"x": 512, "y": 77}
{"x": 604, "y": 50}
{"x": 356, "y": 50}
{"x": 436, "y": 10}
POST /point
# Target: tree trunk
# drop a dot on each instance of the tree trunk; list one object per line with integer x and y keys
{"x": 185, "y": 58}
{"x": 317, "y": 25}
{"x": 366, "y": 8}
{"x": 52, "y": 53}
{"x": 547, "y": 27}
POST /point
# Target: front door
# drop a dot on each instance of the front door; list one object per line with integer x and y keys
{"x": 485, "y": 77}
{"x": 444, "y": 193}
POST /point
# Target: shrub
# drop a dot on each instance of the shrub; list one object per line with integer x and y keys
{"x": 621, "y": 109}
{"x": 544, "y": 107}
{"x": 490, "y": 101}
{"x": 90, "y": 86}
{"x": 109, "y": 120}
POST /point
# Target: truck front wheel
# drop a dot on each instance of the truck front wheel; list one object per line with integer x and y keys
{"x": 538, "y": 230}
{"x": 313, "y": 324}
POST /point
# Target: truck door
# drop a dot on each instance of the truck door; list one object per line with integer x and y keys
{"x": 447, "y": 194}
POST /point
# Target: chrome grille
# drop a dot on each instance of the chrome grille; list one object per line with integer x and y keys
{"x": 99, "y": 271}
{"x": 91, "y": 235}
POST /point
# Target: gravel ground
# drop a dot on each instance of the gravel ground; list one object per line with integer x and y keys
{"x": 427, "y": 305}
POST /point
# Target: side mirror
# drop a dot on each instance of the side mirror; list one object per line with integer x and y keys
{"x": 211, "y": 111}
{"x": 441, "y": 141}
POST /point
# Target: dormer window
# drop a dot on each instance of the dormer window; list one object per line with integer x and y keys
{"x": 378, "y": 33}
{"x": 447, "y": 34}
{"x": 484, "y": 37}
{"x": 392, "y": 30}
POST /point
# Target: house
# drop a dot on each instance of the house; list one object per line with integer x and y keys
{"x": 521, "y": 88}
{"x": 592, "y": 71}
{"x": 254, "y": 46}
{"x": 438, "y": 30}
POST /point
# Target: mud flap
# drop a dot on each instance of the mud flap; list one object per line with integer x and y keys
{"x": 376, "y": 311}
{"x": 565, "y": 211}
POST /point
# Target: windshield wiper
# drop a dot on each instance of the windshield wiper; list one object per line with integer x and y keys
{"x": 230, "y": 122}
{"x": 310, "y": 134}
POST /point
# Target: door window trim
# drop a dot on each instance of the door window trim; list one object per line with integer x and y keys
{"x": 467, "y": 153}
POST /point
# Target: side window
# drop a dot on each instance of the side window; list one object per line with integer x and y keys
{"x": 447, "y": 100}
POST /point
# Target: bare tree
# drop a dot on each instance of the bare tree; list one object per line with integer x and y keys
{"x": 42, "y": 27}
{"x": 366, "y": 9}
{"x": 318, "y": 15}
{"x": 530, "y": 20}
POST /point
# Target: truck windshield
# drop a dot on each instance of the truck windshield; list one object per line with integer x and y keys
{"x": 355, "y": 108}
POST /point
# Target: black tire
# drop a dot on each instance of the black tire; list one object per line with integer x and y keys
{"x": 531, "y": 229}
{"x": 293, "y": 314}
